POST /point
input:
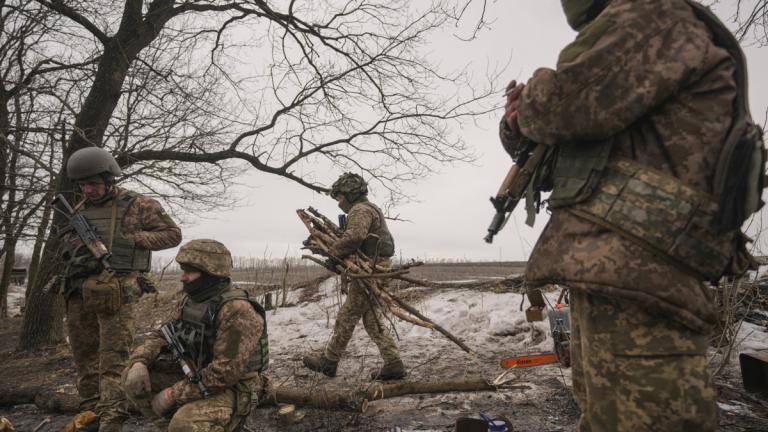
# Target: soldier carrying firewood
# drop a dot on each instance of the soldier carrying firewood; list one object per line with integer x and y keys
{"x": 366, "y": 232}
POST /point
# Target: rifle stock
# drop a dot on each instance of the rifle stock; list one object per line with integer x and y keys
{"x": 513, "y": 188}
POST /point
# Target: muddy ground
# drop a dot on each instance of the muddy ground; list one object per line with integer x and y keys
{"x": 542, "y": 404}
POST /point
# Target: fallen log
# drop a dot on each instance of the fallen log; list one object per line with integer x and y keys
{"x": 45, "y": 399}
{"x": 346, "y": 400}
{"x": 320, "y": 398}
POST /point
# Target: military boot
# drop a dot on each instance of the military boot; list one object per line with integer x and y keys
{"x": 390, "y": 371}
{"x": 319, "y": 363}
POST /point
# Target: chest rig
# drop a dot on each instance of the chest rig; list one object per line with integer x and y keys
{"x": 379, "y": 239}
{"x": 696, "y": 231}
{"x": 107, "y": 220}
{"x": 197, "y": 329}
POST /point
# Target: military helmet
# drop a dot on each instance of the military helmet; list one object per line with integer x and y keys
{"x": 207, "y": 255}
{"x": 349, "y": 184}
{"x": 91, "y": 161}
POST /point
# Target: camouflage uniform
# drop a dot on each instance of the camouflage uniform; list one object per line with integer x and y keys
{"x": 225, "y": 375}
{"x": 100, "y": 341}
{"x": 364, "y": 218}
{"x": 224, "y": 332}
{"x": 647, "y": 76}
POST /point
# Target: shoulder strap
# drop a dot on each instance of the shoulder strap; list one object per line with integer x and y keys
{"x": 113, "y": 221}
{"x": 725, "y": 39}
{"x": 378, "y": 211}
{"x": 215, "y": 304}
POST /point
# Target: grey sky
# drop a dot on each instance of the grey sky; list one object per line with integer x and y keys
{"x": 452, "y": 212}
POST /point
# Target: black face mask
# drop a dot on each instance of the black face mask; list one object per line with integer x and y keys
{"x": 581, "y": 12}
{"x": 205, "y": 287}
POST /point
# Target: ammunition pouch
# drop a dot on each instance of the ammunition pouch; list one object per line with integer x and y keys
{"x": 248, "y": 392}
{"x": 102, "y": 293}
{"x": 666, "y": 217}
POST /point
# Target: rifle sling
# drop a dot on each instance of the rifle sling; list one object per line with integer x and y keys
{"x": 113, "y": 222}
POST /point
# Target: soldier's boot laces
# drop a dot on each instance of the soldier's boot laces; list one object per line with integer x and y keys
{"x": 319, "y": 363}
{"x": 390, "y": 371}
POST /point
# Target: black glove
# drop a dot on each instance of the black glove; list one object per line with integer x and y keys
{"x": 331, "y": 263}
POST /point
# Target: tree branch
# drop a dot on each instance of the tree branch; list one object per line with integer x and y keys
{"x": 69, "y": 12}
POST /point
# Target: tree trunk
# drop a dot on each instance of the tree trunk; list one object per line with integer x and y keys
{"x": 43, "y": 315}
{"x": 42, "y": 320}
{"x": 5, "y": 276}
{"x": 9, "y": 238}
{"x": 40, "y": 240}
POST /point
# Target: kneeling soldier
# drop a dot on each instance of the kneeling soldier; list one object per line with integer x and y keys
{"x": 223, "y": 331}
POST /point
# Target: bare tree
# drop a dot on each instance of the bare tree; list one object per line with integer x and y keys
{"x": 187, "y": 94}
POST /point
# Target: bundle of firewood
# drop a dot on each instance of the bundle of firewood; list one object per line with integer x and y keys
{"x": 323, "y": 233}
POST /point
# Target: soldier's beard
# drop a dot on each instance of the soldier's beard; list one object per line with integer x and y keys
{"x": 205, "y": 287}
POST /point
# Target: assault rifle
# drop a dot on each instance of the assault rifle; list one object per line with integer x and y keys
{"x": 514, "y": 186}
{"x": 178, "y": 352}
{"x": 85, "y": 231}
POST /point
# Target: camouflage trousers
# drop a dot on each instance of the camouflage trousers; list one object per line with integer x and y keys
{"x": 359, "y": 305}
{"x": 633, "y": 371}
{"x": 222, "y": 412}
{"x": 100, "y": 346}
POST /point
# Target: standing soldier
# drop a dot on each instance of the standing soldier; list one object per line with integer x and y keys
{"x": 367, "y": 232}
{"x": 641, "y": 110}
{"x": 100, "y": 311}
{"x": 224, "y": 332}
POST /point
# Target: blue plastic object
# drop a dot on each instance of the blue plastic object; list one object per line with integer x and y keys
{"x": 494, "y": 425}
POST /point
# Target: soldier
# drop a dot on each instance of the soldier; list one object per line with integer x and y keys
{"x": 638, "y": 110}
{"x": 367, "y": 232}
{"x": 100, "y": 316}
{"x": 224, "y": 330}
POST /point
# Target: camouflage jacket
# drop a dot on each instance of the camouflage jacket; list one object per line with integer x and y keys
{"x": 646, "y": 74}
{"x": 236, "y": 321}
{"x": 361, "y": 221}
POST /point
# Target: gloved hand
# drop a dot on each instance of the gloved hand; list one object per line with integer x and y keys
{"x": 137, "y": 381}
{"x": 331, "y": 263}
{"x": 513, "y": 92}
{"x": 512, "y": 139}
{"x": 163, "y": 402}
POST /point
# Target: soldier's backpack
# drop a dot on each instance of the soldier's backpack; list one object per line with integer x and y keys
{"x": 740, "y": 173}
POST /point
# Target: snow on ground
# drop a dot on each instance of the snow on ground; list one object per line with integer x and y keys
{"x": 752, "y": 337}
{"x": 15, "y": 299}
{"x": 490, "y": 323}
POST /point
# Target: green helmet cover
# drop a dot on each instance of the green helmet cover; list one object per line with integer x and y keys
{"x": 350, "y": 185}
{"x": 207, "y": 255}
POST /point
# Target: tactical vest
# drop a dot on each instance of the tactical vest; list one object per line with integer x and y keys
{"x": 659, "y": 212}
{"x": 197, "y": 329}
{"x": 126, "y": 255}
{"x": 379, "y": 238}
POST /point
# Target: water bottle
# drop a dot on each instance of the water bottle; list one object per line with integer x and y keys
{"x": 494, "y": 425}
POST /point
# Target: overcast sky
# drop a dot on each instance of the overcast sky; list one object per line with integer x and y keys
{"x": 452, "y": 211}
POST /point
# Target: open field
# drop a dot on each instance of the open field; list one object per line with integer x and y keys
{"x": 488, "y": 319}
